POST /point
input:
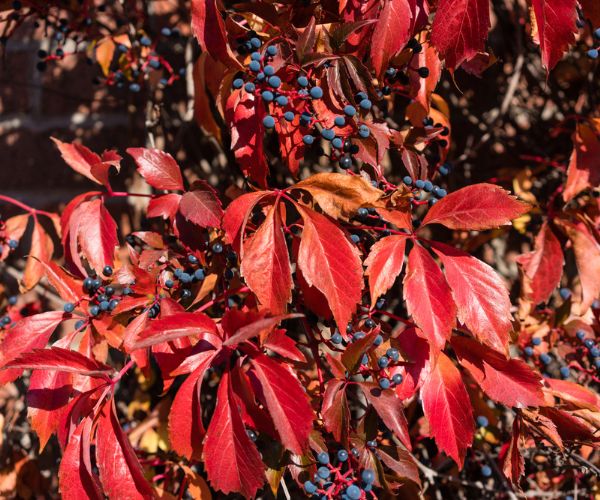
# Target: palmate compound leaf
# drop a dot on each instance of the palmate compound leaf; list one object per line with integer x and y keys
{"x": 459, "y": 29}
{"x": 556, "y": 28}
{"x": 480, "y": 295}
{"x": 447, "y": 407}
{"x": 509, "y": 381}
{"x": 428, "y": 297}
{"x": 231, "y": 460}
{"x": 266, "y": 265}
{"x": 384, "y": 264}
{"x": 330, "y": 263}
{"x": 480, "y": 206}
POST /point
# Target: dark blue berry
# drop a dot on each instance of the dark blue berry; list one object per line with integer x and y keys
{"x": 353, "y": 492}
{"x": 94, "y": 310}
{"x": 361, "y": 96}
{"x": 323, "y": 458}
{"x": 419, "y": 183}
{"x": 365, "y": 104}
{"x": 267, "y": 96}
{"x": 113, "y": 304}
{"x": 372, "y": 444}
{"x": 393, "y": 354}
{"x": 269, "y": 121}
{"x": 342, "y": 455}
{"x": 364, "y": 131}
{"x": 423, "y": 72}
{"x": 316, "y": 92}
{"x": 275, "y": 82}
{"x": 281, "y": 99}
{"x": 308, "y": 139}
{"x": 486, "y": 471}
{"x": 272, "y": 50}
{"x": 378, "y": 340}
{"x": 260, "y": 76}
{"x": 69, "y": 307}
{"x": 428, "y": 186}
{"x": 592, "y": 53}
{"x": 79, "y": 324}
{"x": 255, "y": 42}
{"x": 104, "y": 305}
{"x": 166, "y": 31}
{"x": 384, "y": 383}
{"x": 254, "y": 66}
{"x": 443, "y": 170}
{"x": 369, "y": 323}
{"x": 289, "y": 116}
{"x": 355, "y": 238}
{"x": 349, "y": 110}
{"x": 580, "y": 334}
{"x": 336, "y": 338}
{"x": 345, "y": 162}
{"x": 536, "y": 341}
{"x": 310, "y": 488}
{"x": 12, "y": 300}
{"x": 594, "y": 352}
{"x": 545, "y": 358}
{"x": 269, "y": 70}
{"x": 217, "y": 248}
{"x": 5, "y": 320}
{"x": 482, "y": 421}
{"x": 397, "y": 378}
{"x": 589, "y": 343}
{"x": 565, "y": 372}
{"x": 383, "y": 361}
{"x": 107, "y": 271}
{"x": 302, "y": 81}
{"x": 13, "y": 244}
{"x": 145, "y": 41}
{"x": 199, "y": 274}
{"x": 339, "y": 121}
{"x": 169, "y": 283}
{"x": 439, "y": 192}
{"x": 238, "y": 83}
{"x": 127, "y": 291}
{"x": 564, "y": 293}
{"x": 328, "y": 134}
{"x": 407, "y": 180}
{"x": 368, "y": 476}
{"x": 323, "y": 472}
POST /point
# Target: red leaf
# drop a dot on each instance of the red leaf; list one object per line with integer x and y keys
{"x": 231, "y": 459}
{"x": 280, "y": 343}
{"x": 391, "y": 33}
{"x": 459, "y": 29}
{"x": 237, "y": 214}
{"x": 543, "y": 267}
{"x": 286, "y": 401}
{"x": 334, "y": 409}
{"x": 574, "y": 393}
{"x": 266, "y": 264}
{"x": 555, "y": 21}
{"x": 185, "y": 418}
{"x": 509, "y": 381}
{"x": 29, "y": 333}
{"x": 57, "y": 358}
{"x": 41, "y": 251}
{"x": 208, "y": 27}
{"x": 165, "y": 206}
{"x": 158, "y": 168}
{"x": 256, "y": 328}
{"x": 87, "y": 163}
{"x": 514, "y": 464}
{"x": 120, "y": 471}
{"x": 244, "y": 114}
{"x": 587, "y": 259}
{"x": 480, "y": 206}
{"x": 201, "y": 206}
{"x": 76, "y": 480}
{"x": 47, "y": 398}
{"x": 330, "y": 263}
{"x": 65, "y": 284}
{"x": 584, "y": 165}
{"x": 352, "y": 355}
{"x": 95, "y": 231}
{"x": 384, "y": 264}
{"x": 480, "y": 295}
{"x": 417, "y": 350}
{"x": 389, "y": 408}
{"x": 176, "y": 326}
{"x": 428, "y": 297}
{"x": 447, "y": 408}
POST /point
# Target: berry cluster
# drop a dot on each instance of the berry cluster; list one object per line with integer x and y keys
{"x": 102, "y": 295}
{"x": 341, "y": 477}
{"x": 595, "y": 50}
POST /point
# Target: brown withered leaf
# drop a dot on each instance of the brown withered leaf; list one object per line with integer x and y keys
{"x": 340, "y": 195}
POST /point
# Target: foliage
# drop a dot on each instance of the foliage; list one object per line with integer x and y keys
{"x": 332, "y": 328}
